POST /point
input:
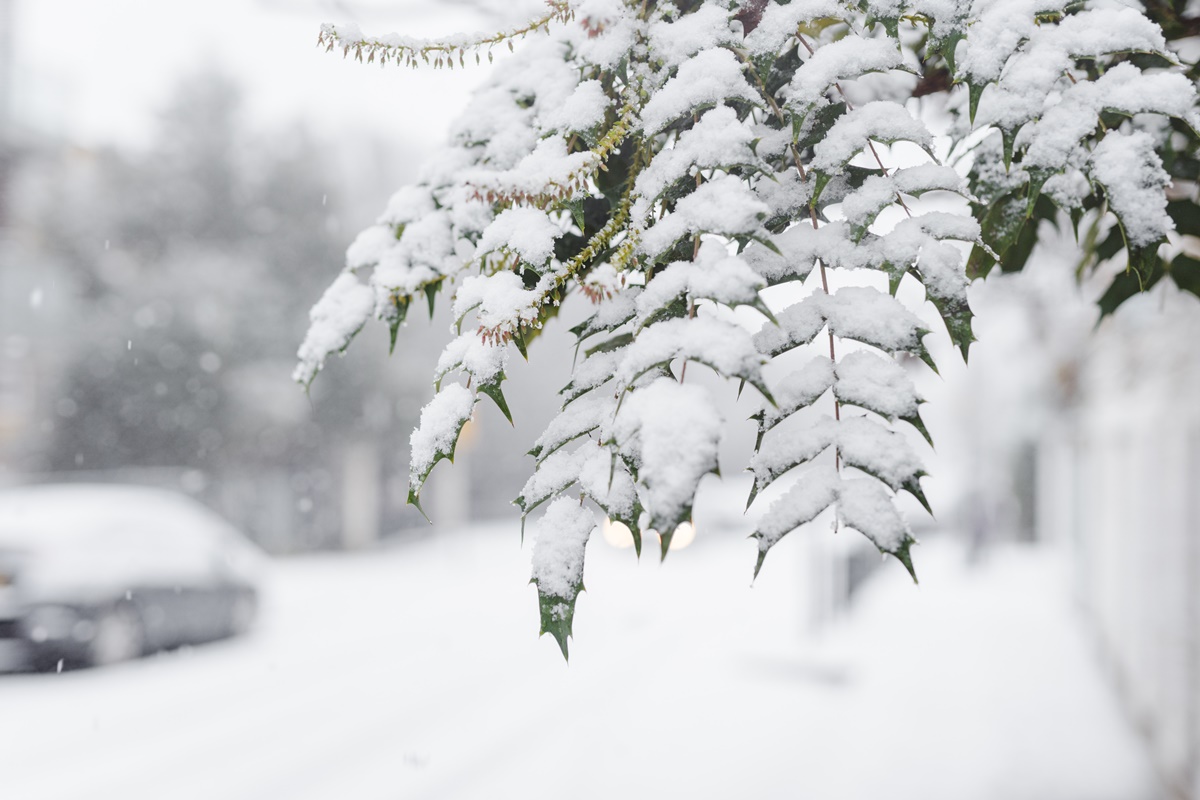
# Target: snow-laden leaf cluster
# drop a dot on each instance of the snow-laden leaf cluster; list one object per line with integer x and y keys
{"x": 1083, "y": 99}
{"x": 674, "y": 161}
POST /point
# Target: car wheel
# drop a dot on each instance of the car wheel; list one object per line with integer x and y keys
{"x": 118, "y": 637}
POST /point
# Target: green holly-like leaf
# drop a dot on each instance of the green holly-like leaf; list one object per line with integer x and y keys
{"x": 974, "y": 92}
{"x": 529, "y": 504}
{"x": 904, "y": 556}
{"x": 1037, "y": 179}
{"x": 1186, "y": 216}
{"x": 557, "y": 613}
{"x": 395, "y": 318}
{"x": 577, "y": 214}
{"x": 1145, "y": 264}
{"x": 590, "y": 326}
{"x": 812, "y": 512}
{"x": 913, "y": 487}
{"x": 999, "y": 228}
{"x": 444, "y": 451}
{"x": 946, "y": 45}
{"x": 520, "y": 341}
{"x": 493, "y": 391}
{"x": 611, "y": 344}
{"x": 431, "y": 293}
{"x": 1127, "y": 284}
{"x": 669, "y": 520}
{"x": 1009, "y": 138}
{"x": 1185, "y": 271}
{"x": 629, "y": 520}
{"x": 916, "y": 421}
{"x": 798, "y": 458}
{"x": 755, "y": 378}
{"x": 957, "y": 315}
{"x": 812, "y": 128}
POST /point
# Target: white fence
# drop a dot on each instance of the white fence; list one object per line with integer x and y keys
{"x": 1120, "y": 479}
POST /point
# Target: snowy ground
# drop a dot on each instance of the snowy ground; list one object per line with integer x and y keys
{"x": 415, "y": 673}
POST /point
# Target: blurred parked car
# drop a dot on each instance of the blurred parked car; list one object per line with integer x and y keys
{"x": 93, "y": 575}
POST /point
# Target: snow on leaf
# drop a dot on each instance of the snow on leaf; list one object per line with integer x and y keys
{"x": 676, "y": 41}
{"x": 796, "y": 325}
{"x": 611, "y": 313}
{"x": 560, "y": 539}
{"x": 546, "y": 172}
{"x": 923, "y": 178}
{"x": 787, "y": 196}
{"x": 1054, "y": 137}
{"x": 706, "y": 79}
{"x": 718, "y": 140}
{"x": 917, "y": 241}
{"x": 1033, "y": 73}
{"x": 1132, "y": 175}
{"x": 582, "y": 111}
{"x": 724, "y": 346}
{"x": 880, "y": 121}
{"x": 604, "y": 478}
{"x": 553, "y": 475}
{"x": 724, "y": 205}
{"x": 799, "y": 389}
{"x": 1094, "y": 32}
{"x": 872, "y": 317}
{"x": 500, "y": 301}
{"x": 999, "y": 29}
{"x": 780, "y": 21}
{"x": 578, "y": 419}
{"x": 814, "y": 491}
{"x": 787, "y": 447}
{"x": 407, "y": 205}
{"x": 340, "y": 313}
{"x": 483, "y": 361}
{"x": 714, "y": 275}
{"x": 854, "y": 312}
{"x": 425, "y": 252}
{"x": 667, "y": 294}
{"x": 798, "y": 249}
{"x": 848, "y": 57}
{"x": 881, "y": 453}
{"x": 434, "y": 439}
{"x": 876, "y": 384}
{"x": 610, "y": 30}
{"x": 528, "y": 232}
{"x": 369, "y": 246}
{"x": 862, "y": 206}
{"x": 671, "y": 431}
{"x": 865, "y": 506}
{"x": 593, "y": 372}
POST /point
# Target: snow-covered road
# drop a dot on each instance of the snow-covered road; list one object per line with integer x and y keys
{"x": 416, "y": 673}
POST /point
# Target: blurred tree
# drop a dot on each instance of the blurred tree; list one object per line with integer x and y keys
{"x": 194, "y": 263}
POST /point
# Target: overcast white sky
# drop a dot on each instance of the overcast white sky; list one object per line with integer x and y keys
{"x": 94, "y": 71}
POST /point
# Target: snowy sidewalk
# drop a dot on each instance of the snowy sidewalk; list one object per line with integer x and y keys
{"x": 416, "y": 673}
